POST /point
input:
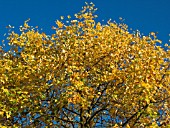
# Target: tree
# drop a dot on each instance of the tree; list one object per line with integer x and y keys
{"x": 85, "y": 75}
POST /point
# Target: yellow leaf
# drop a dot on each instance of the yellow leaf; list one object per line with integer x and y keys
{"x": 4, "y": 90}
{"x": 1, "y": 113}
{"x": 98, "y": 26}
{"x": 60, "y": 24}
{"x": 115, "y": 126}
{"x": 62, "y": 17}
{"x": 68, "y": 16}
{"x": 8, "y": 114}
{"x": 3, "y": 126}
{"x": 127, "y": 126}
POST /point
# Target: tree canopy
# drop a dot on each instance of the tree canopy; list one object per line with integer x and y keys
{"x": 86, "y": 74}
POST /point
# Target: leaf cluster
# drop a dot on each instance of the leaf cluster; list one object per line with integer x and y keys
{"x": 85, "y": 75}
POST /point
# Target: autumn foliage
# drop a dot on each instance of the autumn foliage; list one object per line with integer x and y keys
{"x": 86, "y": 74}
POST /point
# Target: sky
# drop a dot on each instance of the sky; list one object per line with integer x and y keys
{"x": 144, "y": 15}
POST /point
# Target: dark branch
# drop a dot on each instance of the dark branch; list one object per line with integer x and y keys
{"x": 71, "y": 111}
{"x": 95, "y": 113}
{"x": 135, "y": 114}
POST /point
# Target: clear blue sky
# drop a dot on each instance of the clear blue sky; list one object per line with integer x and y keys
{"x": 144, "y": 15}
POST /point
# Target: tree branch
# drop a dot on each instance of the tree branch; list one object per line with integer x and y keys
{"x": 127, "y": 121}
{"x": 71, "y": 111}
{"x": 95, "y": 113}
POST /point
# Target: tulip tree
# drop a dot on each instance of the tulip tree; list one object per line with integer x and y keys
{"x": 86, "y": 74}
